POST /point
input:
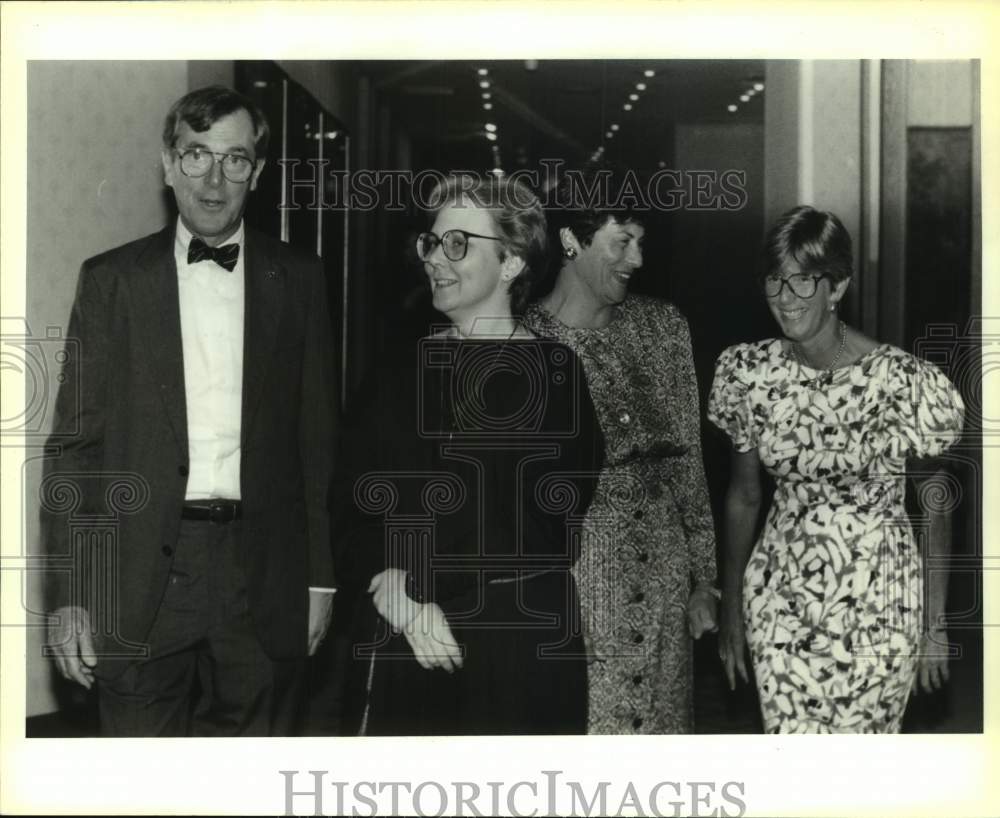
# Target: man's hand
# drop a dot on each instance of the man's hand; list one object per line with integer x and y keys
{"x": 320, "y": 614}
{"x": 702, "y": 611}
{"x": 73, "y": 645}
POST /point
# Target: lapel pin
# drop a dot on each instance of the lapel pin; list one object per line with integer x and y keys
{"x": 271, "y": 274}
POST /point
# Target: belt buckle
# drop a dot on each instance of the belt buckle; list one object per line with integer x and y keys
{"x": 221, "y": 513}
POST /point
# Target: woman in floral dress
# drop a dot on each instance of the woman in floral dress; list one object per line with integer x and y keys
{"x": 646, "y": 572}
{"x": 831, "y": 595}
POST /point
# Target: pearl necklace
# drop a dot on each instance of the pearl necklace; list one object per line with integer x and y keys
{"x": 827, "y": 373}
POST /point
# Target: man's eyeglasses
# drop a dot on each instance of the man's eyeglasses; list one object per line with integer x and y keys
{"x": 801, "y": 284}
{"x": 197, "y": 162}
{"x": 454, "y": 243}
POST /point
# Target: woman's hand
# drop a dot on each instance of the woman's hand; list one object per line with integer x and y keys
{"x": 702, "y": 611}
{"x": 732, "y": 643}
{"x": 389, "y": 596}
{"x": 932, "y": 664}
{"x": 431, "y": 640}
{"x": 424, "y": 625}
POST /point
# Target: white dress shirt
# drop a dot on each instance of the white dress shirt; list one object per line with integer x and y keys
{"x": 212, "y": 309}
{"x": 211, "y": 306}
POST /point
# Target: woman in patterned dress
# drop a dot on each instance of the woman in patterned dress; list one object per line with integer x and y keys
{"x": 647, "y": 569}
{"x": 832, "y": 594}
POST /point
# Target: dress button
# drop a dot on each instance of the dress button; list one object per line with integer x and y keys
{"x": 638, "y": 513}
{"x": 637, "y": 679}
{"x": 624, "y": 417}
{"x": 639, "y": 597}
{"x": 637, "y": 638}
{"x": 644, "y": 557}
{"x": 182, "y": 470}
{"x": 167, "y": 551}
{"x": 637, "y": 722}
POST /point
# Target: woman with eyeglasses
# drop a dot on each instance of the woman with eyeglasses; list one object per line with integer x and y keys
{"x": 830, "y": 597}
{"x": 484, "y": 454}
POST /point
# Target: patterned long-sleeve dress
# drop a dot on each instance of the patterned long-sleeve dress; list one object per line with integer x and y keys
{"x": 649, "y": 533}
{"x": 832, "y": 593}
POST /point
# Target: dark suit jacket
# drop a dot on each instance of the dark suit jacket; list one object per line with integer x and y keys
{"x": 121, "y": 425}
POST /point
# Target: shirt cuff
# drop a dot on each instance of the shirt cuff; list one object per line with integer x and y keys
{"x": 323, "y": 590}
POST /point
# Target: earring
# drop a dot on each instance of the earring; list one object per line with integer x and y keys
{"x": 569, "y": 252}
{"x": 833, "y": 306}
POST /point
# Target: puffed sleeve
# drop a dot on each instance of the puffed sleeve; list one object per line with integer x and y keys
{"x": 729, "y": 401}
{"x": 923, "y": 412}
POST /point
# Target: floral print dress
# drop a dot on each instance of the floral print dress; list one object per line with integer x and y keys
{"x": 648, "y": 536}
{"x": 833, "y": 589}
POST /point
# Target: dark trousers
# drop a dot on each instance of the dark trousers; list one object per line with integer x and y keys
{"x": 206, "y": 674}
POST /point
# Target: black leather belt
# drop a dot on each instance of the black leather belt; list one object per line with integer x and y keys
{"x": 214, "y": 511}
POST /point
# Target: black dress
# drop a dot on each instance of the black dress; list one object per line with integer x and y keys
{"x": 478, "y": 465}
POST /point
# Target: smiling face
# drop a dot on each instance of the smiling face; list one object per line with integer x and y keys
{"x": 211, "y": 206}
{"x": 477, "y": 285}
{"x": 803, "y": 319}
{"x": 606, "y": 265}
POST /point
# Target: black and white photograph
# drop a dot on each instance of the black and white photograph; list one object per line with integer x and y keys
{"x": 417, "y": 428}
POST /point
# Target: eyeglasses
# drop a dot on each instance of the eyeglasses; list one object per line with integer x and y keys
{"x": 196, "y": 162}
{"x": 801, "y": 284}
{"x": 454, "y": 243}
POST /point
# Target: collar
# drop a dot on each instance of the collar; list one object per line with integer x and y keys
{"x": 184, "y": 237}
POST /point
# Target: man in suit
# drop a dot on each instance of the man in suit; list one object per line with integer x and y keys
{"x": 200, "y": 416}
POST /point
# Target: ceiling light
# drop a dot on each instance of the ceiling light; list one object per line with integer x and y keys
{"x": 626, "y": 107}
{"x": 483, "y": 72}
{"x": 744, "y": 98}
{"x": 750, "y": 92}
{"x": 492, "y": 137}
{"x": 530, "y": 65}
{"x": 640, "y": 86}
{"x": 609, "y": 134}
{"x": 758, "y": 86}
{"x": 731, "y": 109}
{"x": 663, "y": 164}
{"x": 498, "y": 171}
{"x": 487, "y": 95}
{"x": 484, "y": 84}
{"x": 490, "y": 126}
{"x": 487, "y": 106}
{"x": 633, "y": 97}
{"x": 649, "y": 73}
{"x": 614, "y": 126}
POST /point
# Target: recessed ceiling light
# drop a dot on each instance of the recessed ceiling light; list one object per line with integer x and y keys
{"x": 609, "y": 134}
{"x": 744, "y": 98}
{"x": 633, "y": 97}
{"x": 484, "y": 84}
{"x": 758, "y": 86}
{"x": 490, "y": 126}
{"x": 491, "y": 136}
{"x": 614, "y": 126}
{"x": 483, "y": 72}
{"x": 731, "y": 109}
{"x": 640, "y": 86}
{"x": 662, "y": 164}
{"x": 487, "y": 106}
{"x": 487, "y": 95}
{"x": 626, "y": 107}
{"x": 649, "y": 73}
{"x": 750, "y": 92}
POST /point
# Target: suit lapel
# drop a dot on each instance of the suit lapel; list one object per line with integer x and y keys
{"x": 157, "y": 309}
{"x": 264, "y": 295}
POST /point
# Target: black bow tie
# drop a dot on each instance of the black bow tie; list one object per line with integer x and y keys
{"x": 224, "y": 256}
